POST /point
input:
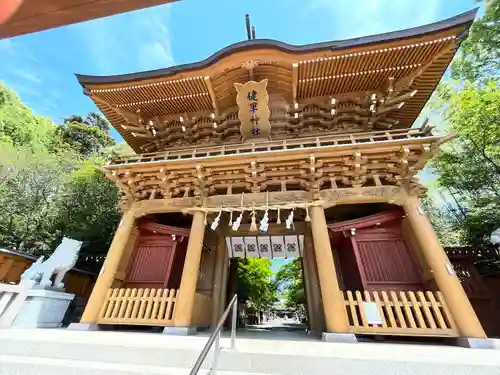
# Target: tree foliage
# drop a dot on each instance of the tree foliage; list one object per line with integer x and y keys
{"x": 48, "y": 186}
{"x": 468, "y": 168}
{"x": 470, "y": 164}
{"x": 18, "y": 126}
{"x": 290, "y": 283}
{"x": 255, "y": 284}
{"x": 444, "y": 223}
{"x": 479, "y": 55}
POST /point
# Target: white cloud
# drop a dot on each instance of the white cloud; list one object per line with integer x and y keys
{"x": 27, "y": 76}
{"x": 354, "y": 18}
{"x": 128, "y": 42}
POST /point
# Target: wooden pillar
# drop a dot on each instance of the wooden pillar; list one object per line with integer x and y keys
{"x": 316, "y": 314}
{"x": 186, "y": 293}
{"x": 109, "y": 269}
{"x": 225, "y": 277}
{"x": 218, "y": 292}
{"x": 311, "y": 316}
{"x": 333, "y": 301}
{"x": 307, "y": 284}
{"x": 446, "y": 279}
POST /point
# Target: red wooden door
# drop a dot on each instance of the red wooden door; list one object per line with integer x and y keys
{"x": 385, "y": 261}
{"x": 157, "y": 248}
{"x": 152, "y": 261}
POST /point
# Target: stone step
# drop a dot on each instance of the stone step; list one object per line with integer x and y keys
{"x": 16, "y": 365}
{"x": 68, "y": 352}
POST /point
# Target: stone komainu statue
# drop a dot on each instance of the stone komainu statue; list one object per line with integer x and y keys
{"x": 60, "y": 262}
{"x": 253, "y": 102}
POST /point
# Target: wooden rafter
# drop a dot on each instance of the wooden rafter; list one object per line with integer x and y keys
{"x": 389, "y": 67}
{"x": 295, "y": 81}
{"x": 212, "y": 95}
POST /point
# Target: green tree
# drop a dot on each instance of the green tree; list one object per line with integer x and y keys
{"x": 18, "y": 125}
{"x": 470, "y": 164}
{"x": 446, "y": 226}
{"x": 479, "y": 56}
{"x": 88, "y": 209}
{"x": 290, "y": 283}
{"x": 255, "y": 284}
{"x": 92, "y": 119}
{"x": 48, "y": 186}
{"x": 82, "y": 138}
{"x": 30, "y": 184}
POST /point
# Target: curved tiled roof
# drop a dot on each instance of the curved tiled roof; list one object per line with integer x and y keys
{"x": 464, "y": 19}
{"x": 349, "y": 71}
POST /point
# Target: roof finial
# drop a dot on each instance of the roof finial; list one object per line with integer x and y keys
{"x": 247, "y": 20}
{"x": 250, "y": 29}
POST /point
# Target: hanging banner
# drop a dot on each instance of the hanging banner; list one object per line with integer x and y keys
{"x": 291, "y": 247}
{"x": 253, "y": 102}
{"x": 251, "y": 247}
{"x": 264, "y": 247}
{"x": 278, "y": 247}
{"x": 238, "y": 246}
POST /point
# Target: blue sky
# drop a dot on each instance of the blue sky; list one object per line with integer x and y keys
{"x": 276, "y": 264}
{"x": 41, "y": 67}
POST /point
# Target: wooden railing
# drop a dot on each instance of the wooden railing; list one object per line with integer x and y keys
{"x": 402, "y": 313}
{"x": 202, "y": 310}
{"x": 139, "y": 306}
{"x": 287, "y": 144}
{"x": 471, "y": 252}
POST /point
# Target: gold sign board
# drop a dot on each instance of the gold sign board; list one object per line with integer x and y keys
{"x": 253, "y": 103}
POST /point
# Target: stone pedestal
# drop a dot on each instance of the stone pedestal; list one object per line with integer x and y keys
{"x": 42, "y": 309}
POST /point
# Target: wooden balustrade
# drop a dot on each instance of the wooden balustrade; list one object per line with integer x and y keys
{"x": 402, "y": 313}
{"x": 473, "y": 253}
{"x": 202, "y": 310}
{"x": 278, "y": 145}
{"x": 139, "y": 306}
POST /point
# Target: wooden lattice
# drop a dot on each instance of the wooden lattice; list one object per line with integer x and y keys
{"x": 139, "y": 306}
{"x": 403, "y": 313}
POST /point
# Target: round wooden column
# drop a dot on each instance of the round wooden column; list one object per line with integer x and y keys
{"x": 109, "y": 269}
{"x": 333, "y": 301}
{"x": 185, "y": 295}
{"x": 317, "y": 321}
{"x": 446, "y": 279}
{"x": 218, "y": 291}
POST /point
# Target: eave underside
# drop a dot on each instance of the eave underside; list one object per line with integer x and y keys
{"x": 39, "y": 15}
{"x": 198, "y": 105}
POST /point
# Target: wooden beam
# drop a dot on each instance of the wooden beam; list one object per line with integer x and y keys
{"x": 208, "y": 82}
{"x": 295, "y": 81}
{"x": 406, "y": 82}
{"x": 328, "y": 198}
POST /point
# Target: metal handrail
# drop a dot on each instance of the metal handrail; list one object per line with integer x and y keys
{"x": 215, "y": 338}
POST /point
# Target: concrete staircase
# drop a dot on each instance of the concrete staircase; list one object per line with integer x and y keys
{"x": 66, "y": 352}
